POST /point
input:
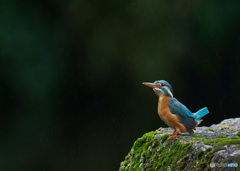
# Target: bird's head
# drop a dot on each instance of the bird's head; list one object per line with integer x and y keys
{"x": 161, "y": 87}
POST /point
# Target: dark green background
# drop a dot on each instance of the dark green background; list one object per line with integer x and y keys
{"x": 71, "y": 73}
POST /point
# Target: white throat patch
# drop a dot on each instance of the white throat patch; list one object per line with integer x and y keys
{"x": 159, "y": 92}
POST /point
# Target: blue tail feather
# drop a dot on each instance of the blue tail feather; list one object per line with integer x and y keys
{"x": 202, "y": 112}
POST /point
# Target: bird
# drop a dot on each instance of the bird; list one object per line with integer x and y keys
{"x": 173, "y": 112}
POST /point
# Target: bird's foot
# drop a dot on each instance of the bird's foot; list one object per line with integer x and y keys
{"x": 175, "y": 135}
{"x": 171, "y": 133}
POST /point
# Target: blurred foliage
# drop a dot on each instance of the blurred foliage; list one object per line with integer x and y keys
{"x": 71, "y": 74}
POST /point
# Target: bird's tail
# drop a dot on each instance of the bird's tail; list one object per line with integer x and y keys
{"x": 199, "y": 114}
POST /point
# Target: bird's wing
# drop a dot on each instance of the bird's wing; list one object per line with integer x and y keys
{"x": 178, "y": 108}
{"x": 185, "y": 115}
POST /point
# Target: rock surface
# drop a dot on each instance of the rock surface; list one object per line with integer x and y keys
{"x": 210, "y": 148}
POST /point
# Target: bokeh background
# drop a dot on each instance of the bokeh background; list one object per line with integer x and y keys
{"x": 71, "y": 73}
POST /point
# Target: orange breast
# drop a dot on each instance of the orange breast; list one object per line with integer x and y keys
{"x": 163, "y": 108}
{"x": 165, "y": 114}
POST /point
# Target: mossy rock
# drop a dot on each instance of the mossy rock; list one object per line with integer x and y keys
{"x": 154, "y": 152}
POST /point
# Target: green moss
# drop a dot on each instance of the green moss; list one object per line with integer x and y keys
{"x": 221, "y": 136}
{"x": 203, "y": 165}
{"x": 209, "y": 149}
{"x": 182, "y": 163}
{"x": 218, "y": 149}
{"x": 234, "y": 137}
{"x": 199, "y": 154}
{"x": 237, "y": 146}
{"x": 208, "y": 168}
{"x": 212, "y": 130}
{"x": 142, "y": 150}
{"x": 230, "y": 161}
{"x": 164, "y": 138}
{"x": 126, "y": 163}
{"x": 142, "y": 141}
{"x": 205, "y": 138}
{"x": 194, "y": 135}
{"x": 198, "y": 139}
{"x": 136, "y": 166}
{"x": 238, "y": 133}
{"x": 223, "y": 141}
{"x": 169, "y": 158}
{"x": 209, "y": 157}
{"x": 193, "y": 165}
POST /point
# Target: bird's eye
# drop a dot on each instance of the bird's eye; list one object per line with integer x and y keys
{"x": 162, "y": 84}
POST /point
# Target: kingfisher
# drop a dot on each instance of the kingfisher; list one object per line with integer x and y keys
{"x": 174, "y": 113}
